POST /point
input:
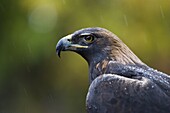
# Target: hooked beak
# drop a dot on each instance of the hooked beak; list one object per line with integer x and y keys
{"x": 65, "y": 44}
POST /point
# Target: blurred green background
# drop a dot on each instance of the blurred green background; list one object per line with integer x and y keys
{"x": 34, "y": 80}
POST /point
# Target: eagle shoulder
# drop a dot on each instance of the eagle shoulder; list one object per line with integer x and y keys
{"x": 111, "y": 93}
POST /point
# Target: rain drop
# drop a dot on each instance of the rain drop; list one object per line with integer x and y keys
{"x": 110, "y": 83}
{"x": 126, "y": 91}
{"x": 14, "y": 44}
{"x": 29, "y": 48}
{"x": 162, "y": 13}
{"x": 125, "y": 19}
{"x": 28, "y": 69}
{"x": 25, "y": 91}
{"x": 101, "y": 18}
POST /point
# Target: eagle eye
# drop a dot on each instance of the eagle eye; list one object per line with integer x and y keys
{"x": 89, "y": 38}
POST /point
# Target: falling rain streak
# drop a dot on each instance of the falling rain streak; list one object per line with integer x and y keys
{"x": 29, "y": 48}
{"x": 125, "y": 19}
{"x": 25, "y": 91}
{"x": 162, "y": 13}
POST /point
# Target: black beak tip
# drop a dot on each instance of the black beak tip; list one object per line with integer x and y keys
{"x": 58, "y": 53}
{"x": 59, "y": 49}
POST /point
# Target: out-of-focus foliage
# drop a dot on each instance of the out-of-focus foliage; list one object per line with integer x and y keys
{"x": 34, "y": 80}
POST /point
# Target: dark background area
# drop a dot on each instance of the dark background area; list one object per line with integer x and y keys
{"x": 34, "y": 80}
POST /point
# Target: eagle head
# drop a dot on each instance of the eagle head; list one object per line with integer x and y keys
{"x": 97, "y": 44}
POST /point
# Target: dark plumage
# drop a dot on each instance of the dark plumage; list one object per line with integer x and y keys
{"x": 119, "y": 81}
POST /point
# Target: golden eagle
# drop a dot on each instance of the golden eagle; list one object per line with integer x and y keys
{"x": 119, "y": 81}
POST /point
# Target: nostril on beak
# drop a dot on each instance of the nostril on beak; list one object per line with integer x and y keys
{"x": 69, "y": 40}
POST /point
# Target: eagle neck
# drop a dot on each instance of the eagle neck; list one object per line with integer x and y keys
{"x": 97, "y": 68}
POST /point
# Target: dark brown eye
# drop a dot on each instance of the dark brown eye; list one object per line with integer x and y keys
{"x": 89, "y": 39}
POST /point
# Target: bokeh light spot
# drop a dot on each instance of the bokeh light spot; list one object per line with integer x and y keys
{"x": 43, "y": 18}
